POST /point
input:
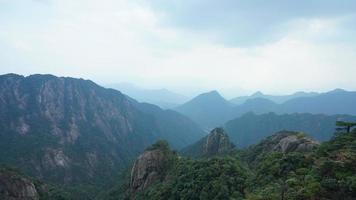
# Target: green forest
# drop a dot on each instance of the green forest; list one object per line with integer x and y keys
{"x": 256, "y": 173}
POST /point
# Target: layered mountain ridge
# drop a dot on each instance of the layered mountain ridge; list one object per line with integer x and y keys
{"x": 72, "y": 131}
{"x": 208, "y": 113}
{"x": 251, "y": 128}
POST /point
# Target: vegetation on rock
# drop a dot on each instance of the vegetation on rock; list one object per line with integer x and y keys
{"x": 305, "y": 170}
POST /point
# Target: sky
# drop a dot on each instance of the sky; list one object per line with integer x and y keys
{"x": 234, "y": 46}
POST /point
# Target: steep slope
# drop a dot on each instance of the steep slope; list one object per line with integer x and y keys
{"x": 14, "y": 185}
{"x": 151, "y": 167}
{"x": 160, "y": 97}
{"x": 159, "y": 173}
{"x": 72, "y": 131}
{"x": 216, "y": 143}
{"x": 275, "y": 98}
{"x": 251, "y": 128}
{"x": 208, "y": 109}
{"x": 176, "y": 128}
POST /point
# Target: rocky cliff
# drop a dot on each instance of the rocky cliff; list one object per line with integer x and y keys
{"x": 151, "y": 167}
{"x": 14, "y": 186}
{"x": 216, "y": 143}
{"x": 70, "y": 131}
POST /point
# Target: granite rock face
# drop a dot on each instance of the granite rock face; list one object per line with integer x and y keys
{"x": 146, "y": 170}
{"x": 282, "y": 141}
{"x": 16, "y": 187}
{"x": 216, "y": 143}
{"x": 285, "y": 141}
{"x": 290, "y": 143}
{"x": 151, "y": 167}
{"x": 68, "y": 131}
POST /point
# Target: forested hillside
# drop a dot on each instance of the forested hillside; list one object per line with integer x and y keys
{"x": 286, "y": 165}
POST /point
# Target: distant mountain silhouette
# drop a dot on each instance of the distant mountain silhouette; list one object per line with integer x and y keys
{"x": 274, "y": 98}
{"x": 337, "y": 101}
{"x": 251, "y": 128}
{"x": 208, "y": 109}
{"x": 160, "y": 97}
{"x": 257, "y": 105}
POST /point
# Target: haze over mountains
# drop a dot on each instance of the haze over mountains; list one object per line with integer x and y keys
{"x": 78, "y": 135}
{"x": 274, "y": 98}
{"x": 250, "y": 128}
{"x": 161, "y": 97}
{"x": 208, "y": 109}
{"x": 197, "y": 100}
{"x": 211, "y": 109}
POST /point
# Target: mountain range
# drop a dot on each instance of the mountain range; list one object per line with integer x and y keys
{"x": 208, "y": 109}
{"x": 275, "y": 98}
{"x": 251, "y": 128}
{"x": 211, "y": 109}
{"x": 75, "y": 139}
{"x": 160, "y": 97}
{"x": 74, "y": 132}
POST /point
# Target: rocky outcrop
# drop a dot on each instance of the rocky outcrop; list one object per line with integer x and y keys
{"x": 151, "y": 167}
{"x": 283, "y": 141}
{"x": 216, "y": 143}
{"x": 293, "y": 142}
{"x": 14, "y": 186}
{"x": 287, "y": 141}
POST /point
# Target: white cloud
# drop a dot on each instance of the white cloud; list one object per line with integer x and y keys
{"x": 115, "y": 41}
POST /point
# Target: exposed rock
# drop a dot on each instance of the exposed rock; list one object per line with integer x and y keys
{"x": 291, "y": 141}
{"x": 54, "y": 158}
{"x": 283, "y": 141}
{"x": 69, "y": 131}
{"x": 216, "y": 143}
{"x": 150, "y": 167}
{"x": 14, "y": 186}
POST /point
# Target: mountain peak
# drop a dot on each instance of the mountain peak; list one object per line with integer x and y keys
{"x": 211, "y": 93}
{"x": 216, "y": 143}
{"x": 212, "y": 96}
{"x": 207, "y": 109}
{"x": 258, "y": 93}
{"x": 337, "y": 90}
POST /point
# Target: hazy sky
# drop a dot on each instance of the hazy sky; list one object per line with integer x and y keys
{"x": 276, "y": 46}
